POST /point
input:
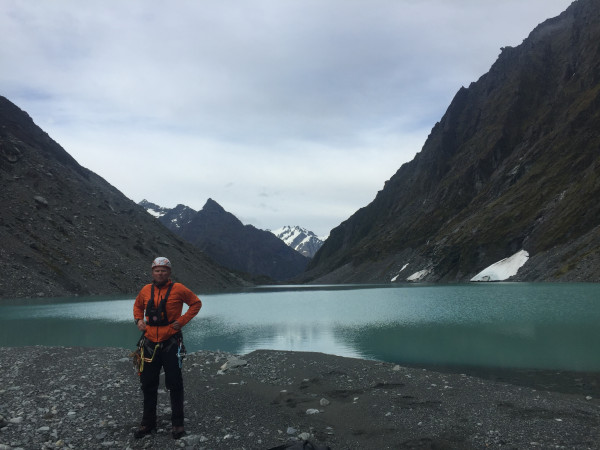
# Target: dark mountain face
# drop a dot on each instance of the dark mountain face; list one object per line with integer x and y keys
{"x": 236, "y": 246}
{"x": 513, "y": 164}
{"x": 66, "y": 231}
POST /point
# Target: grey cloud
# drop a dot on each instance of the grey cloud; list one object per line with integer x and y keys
{"x": 214, "y": 82}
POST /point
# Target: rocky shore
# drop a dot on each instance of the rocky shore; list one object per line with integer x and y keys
{"x": 89, "y": 398}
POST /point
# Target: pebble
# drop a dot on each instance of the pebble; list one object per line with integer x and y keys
{"x": 90, "y": 399}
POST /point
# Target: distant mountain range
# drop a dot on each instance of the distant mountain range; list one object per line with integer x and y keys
{"x": 300, "y": 239}
{"x": 228, "y": 241}
{"x": 513, "y": 165}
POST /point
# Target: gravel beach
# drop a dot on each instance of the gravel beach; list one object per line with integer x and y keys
{"x": 89, "y": 398}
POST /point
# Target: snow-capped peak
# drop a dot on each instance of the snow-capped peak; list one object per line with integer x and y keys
{"x": 300, "y": 239}
{"x": 154, "y": 209}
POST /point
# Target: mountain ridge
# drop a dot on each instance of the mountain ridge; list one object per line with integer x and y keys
{"x": 513, "y": 164}
{"x": 66, "y": 231}
{"x": 227, "y": 240}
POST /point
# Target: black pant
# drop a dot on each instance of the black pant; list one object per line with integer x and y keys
{"x": 165, "y": 357}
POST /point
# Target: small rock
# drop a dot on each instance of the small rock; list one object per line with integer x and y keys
{"x": 312, "y": 411}
{"x": 324, "y": 402}
{"x": 192, "y": 439}
{"x": 233, "y": 363}
{"x": 291, "y": 430}
{"x": 40, "y": 200}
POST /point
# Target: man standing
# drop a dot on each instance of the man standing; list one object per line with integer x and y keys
{"x": 157, "y": 312}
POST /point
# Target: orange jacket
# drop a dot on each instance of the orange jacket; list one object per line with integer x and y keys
{"x": 178, "y": 296}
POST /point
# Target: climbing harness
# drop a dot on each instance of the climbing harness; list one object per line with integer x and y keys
{"x": 139, "y": 355}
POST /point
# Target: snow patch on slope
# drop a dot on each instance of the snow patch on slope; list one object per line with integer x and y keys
{"x": 155, "y": 213}
{"x": 504, "y": 269}
{"x": 396, "y": 277}
{"x": 418, "y": 276}
{"x": 415, "y": 277}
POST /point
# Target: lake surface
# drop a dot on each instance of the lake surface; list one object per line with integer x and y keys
{"x": 515, "y": 325}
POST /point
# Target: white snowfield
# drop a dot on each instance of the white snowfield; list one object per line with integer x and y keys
{"x": 155, "y": 213}
{"x": 504, "y": 269}
{"x": 500, "y": 271}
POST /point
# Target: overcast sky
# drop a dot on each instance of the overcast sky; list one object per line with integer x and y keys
{"x": 285, "y": 112}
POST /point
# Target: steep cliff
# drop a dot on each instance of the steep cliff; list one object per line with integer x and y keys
{"x": 513, "y": 164}
{"x": 66, "y": 231}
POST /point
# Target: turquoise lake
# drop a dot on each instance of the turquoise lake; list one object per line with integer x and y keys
{"x": 511, "y": 325}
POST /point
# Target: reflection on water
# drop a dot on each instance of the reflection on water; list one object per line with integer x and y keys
{"x": 503, "y": 324}
{"x": 217, "y": 334}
